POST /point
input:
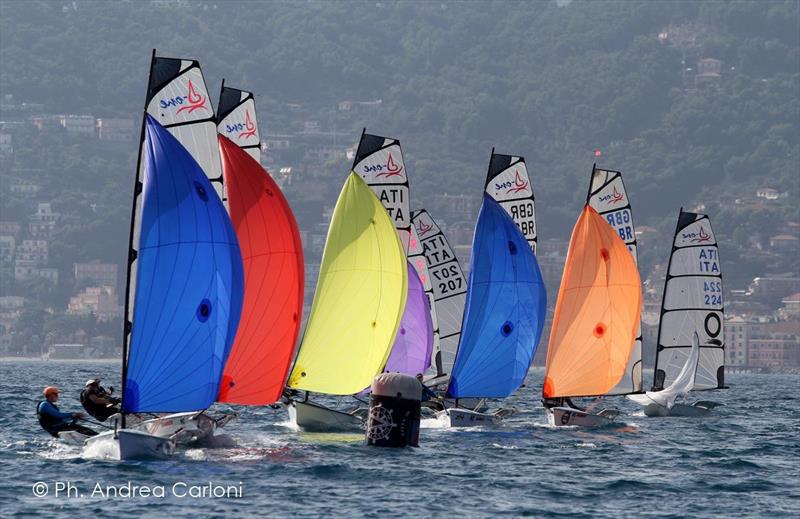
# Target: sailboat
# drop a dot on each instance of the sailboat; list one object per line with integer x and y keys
{"x": 177, "y": 97}
{"x": 357, "y": 308}
{"x": 506, "y": 300}
{"x": 608, "y": 196}
{"x": 595, "y": 322}
{"x": 692, "y": 303}
{"x": 448, "y": 294}
{"x": 272, "y": 254}
{"x": 186, "y": 281}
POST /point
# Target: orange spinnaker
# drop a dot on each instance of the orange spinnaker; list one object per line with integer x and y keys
{"x": 272, "y": 253}
{"x": 597, "y": 312}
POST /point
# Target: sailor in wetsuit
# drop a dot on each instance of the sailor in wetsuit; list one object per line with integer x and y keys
{"x": 97, "y": 401}
{"x": 54, "y": 421}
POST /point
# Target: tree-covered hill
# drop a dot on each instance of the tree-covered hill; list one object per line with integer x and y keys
{"x": 552, "y": 81}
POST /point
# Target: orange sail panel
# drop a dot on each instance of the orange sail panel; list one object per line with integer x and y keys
{"x": 597, "y": 312}
{"x": 273, "y": 281}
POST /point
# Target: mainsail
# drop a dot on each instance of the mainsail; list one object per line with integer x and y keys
{"x": 178, "y": 99}
{"x": 416, "y": 257}
{"x": 692, "y": 302}
{"x": 508, "y": 183}
{"x": 236, "y": 120}
{"x": 272, "y": 254}
{"x": 597, "y": 312}
{"x": 505, "y": 309}
{"x": 607, "y": 195}
{"x": 449, "y": 289}
{"x": 360, "y": 297}
{"x": 188, "y": 295}
{"x": 379, "y": 161}
{"x": 680, "y": 387}
{"x": 411, "y": 352}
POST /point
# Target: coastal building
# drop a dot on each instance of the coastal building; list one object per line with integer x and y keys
{"x": 78, "y": 125}
{"x": 100, "y": 274}
{"x": 100, "y": 301}
{"x": 43, "y": 223}
{"x": 737, "y": 331}
{"x": 7, "y": 246}
{"x": 117, "y": 129}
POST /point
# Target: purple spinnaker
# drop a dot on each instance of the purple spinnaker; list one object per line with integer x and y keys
{"x": 411, "y": 353}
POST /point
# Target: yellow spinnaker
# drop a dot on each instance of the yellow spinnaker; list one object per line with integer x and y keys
{"x": 360, "y": 297}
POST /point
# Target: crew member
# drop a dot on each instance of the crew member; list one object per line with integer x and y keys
{"x": 427, "y": 393}
{"x": 54, "y": 421}
{"x": 97, "y": 401}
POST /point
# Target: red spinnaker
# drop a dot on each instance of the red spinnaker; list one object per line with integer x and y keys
{"x": 272, "y": 253}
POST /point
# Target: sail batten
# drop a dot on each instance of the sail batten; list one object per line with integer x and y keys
{"x": 608, "y": 196}
{"x": 692, "y": 303}
{"x": 360, "y": 297}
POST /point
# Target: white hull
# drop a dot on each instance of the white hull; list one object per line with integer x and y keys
{"x": 458, "y": 417}
{"x": 567, "y": 416}
{"x": 184, "y": 428}
{"x": 136, "y": 445}
{"x": 316, "y": 418}
{"x": 697, "y": 410}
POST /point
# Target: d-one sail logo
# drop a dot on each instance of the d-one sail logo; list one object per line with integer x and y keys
{"x": 424, "y": 228}
{"x": 247, "y": 129}
{"x": 390, "y": 169}
{"x": 515, "y": 187}
{"x": 698, "y": 237}
{"x": 613, "y": 197}
{"x": 190, "y": 102}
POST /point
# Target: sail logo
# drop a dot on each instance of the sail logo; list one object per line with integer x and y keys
{"x": 246, "y": 129}
{"x": 390, "y": 169}
{"x": 424, "y": 228}
{"x": 613, "y": 197}
{"x": 190, "y": 102}
{"x": 515, "y": 187}
{"x": 697, "y": 237}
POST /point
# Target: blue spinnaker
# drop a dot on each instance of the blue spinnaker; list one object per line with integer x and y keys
{"x": 505, "y": 310}
{"x": 189, "y": 284}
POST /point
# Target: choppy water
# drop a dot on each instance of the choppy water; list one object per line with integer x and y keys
{"x": 742, "y": 462}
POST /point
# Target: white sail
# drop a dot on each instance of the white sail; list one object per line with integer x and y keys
{"x": 449, "y": 289}
{"x": 607, "y": 196}
{"x": 680, "y": 387}
{"x": 692, "y": 303}
{"x": 178, "y": 99}
{"x": 236, "y": 120}
{"x": 508, "y": 183}
{"x": 379, "y": 161}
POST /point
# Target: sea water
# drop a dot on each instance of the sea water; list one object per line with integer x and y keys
{"x": 743, "y": 461}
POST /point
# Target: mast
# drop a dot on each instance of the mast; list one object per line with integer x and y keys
{"x": 132, "y": 252}
{"x": 608, "y": 196}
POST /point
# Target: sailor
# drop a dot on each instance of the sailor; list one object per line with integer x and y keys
{"x": 97, "y": 401}
{"x": 54, "y": 421}
{"x": 427, "y": 393}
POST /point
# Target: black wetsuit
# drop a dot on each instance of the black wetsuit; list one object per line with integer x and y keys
{"x": 99, "y": 411}
{"x": 54, "y": 421}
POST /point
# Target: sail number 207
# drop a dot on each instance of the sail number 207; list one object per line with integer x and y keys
{"x": 448, "y": 279}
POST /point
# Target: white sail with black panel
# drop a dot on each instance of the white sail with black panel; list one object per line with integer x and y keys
{"x": 236, "y": 120}
{"x": 508, "y": 183}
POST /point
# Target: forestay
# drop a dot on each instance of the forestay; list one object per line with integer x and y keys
{"x": 505, "y": 309}
{"x": 360, "y": 297}
{"x": 508, "y": 183}
{"x": 379, "y": 161}
{"x": 607, "y": 195}
{"x": 449, "y": 289}
{"x": 190, "y": 283}
{"x": 272, "y": 253}
{"x": 596, "y": 315}
{"x": 692, "y": 302}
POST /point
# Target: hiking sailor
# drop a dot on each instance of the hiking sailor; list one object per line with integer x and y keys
{"x": 97, "y": 401}
{"x": 54, "y": 421}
